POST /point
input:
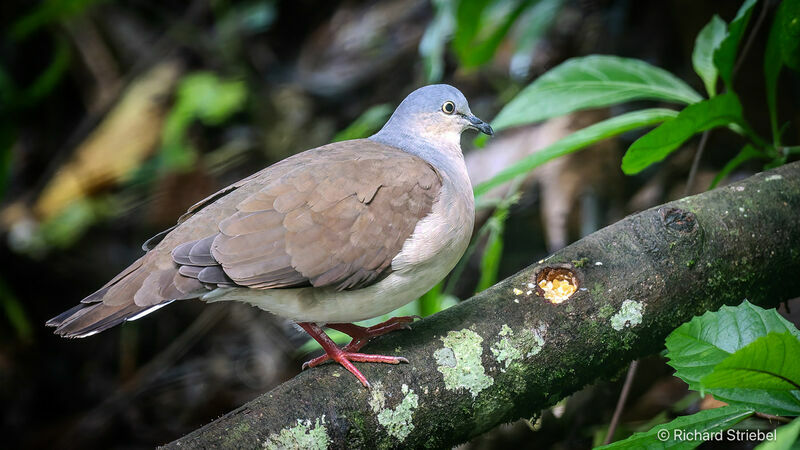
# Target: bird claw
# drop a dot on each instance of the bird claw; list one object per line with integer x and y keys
{"x": 348, "y": 354}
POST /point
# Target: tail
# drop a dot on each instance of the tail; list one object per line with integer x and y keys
{"x": 137, "y": 291}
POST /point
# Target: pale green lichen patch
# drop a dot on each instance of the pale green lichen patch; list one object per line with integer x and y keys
{"x": 774, "y": 177}
{"x": 459, "y": 361}
{"x": 629, "y": 315}
{"x": 398, "y": 421}
{"x": 512, "y": 347}
{"x": 377, "y": 399}
{"x": 536, "y": 340}
{"x": 504, "y": 350}
{"x": 300, "y": 436}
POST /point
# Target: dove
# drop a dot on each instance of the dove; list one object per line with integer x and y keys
{"x": 334, "y": 235}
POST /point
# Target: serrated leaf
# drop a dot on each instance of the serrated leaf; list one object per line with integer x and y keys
{"x": 770, "y": 362}
{"x": 785, "y": 437}
{"x": 592, "y": 82}
{"x": 708, "y": 421}
{"x": 763, "y": 375}
{"x": 658, "y": 144}
{"x": 578, "y": 140}
{"x": 725, "y": 55}
{"x": 696, "y": 347}
{"x": 707, "y": 42}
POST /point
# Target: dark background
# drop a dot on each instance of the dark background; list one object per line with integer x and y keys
{"x": 307, "y": 70}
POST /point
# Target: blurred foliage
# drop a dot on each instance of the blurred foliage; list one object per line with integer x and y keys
{"x": 47, "y": 12}
{"x": 13, "y": 97}
{"x": 477, "y": 28}
{"x": 366, "y": 124}
{"x": 595, "y": 81}
{"x": 63, "y": 230}
{"x": 7, "y": 139}
{"x": 15, "y": 314}
{"x": 200, "y": 97}
{"x": 494, "y": 228}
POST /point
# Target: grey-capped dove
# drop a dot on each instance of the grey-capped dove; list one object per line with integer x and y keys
{"x": 337, "y": 234}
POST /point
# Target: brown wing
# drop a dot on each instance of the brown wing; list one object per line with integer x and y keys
{"x": 338, "y": 223}
{"x": 334, "y": 218}
{"x": 334, "y": 215}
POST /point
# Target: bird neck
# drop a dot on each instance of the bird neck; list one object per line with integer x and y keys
{"x": 441, "y": 148}
{"x": 443, "y": 156}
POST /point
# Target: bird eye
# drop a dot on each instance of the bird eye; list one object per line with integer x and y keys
{"x": 449, "y": 107}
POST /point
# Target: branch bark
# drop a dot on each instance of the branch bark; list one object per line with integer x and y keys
{"x": 507, "y": 353}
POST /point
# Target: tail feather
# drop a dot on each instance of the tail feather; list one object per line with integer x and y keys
{"x": 96, "y": 317}
{"x": 139, "y": 289}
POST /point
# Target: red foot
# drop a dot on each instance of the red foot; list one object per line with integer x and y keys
{"x": 360, "y": 335}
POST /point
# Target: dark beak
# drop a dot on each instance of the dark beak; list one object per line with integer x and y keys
{"x": 479, "y": 125}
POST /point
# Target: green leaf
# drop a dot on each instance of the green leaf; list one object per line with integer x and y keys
{"x": 696, "y": 347}
{"x": 210, "y": 98}
{"x": 747, "y": 153}
{"x": 785, "y": 438}
{"x": 432, "y": 44}
{"x": 578, "y": 140}
{"x": 8, "y": 137}
{"x": 493, "y": 252}
{"x": 658, "y": 144}
{"x": 770, "y": 362}
{"x": 200, "y": 96}
{"x": 48, "y": 12}
{"x": 592, "y": 82}
{"x": 763, "y": 375}
{"x": 366, "y": 124}
{"x": 725, "y": 55}
{"x": 783, "y": 47}
{"x": 15, "y": 313}
{"x": 773, "y": 62}
{"x": 430, "y": 302}
{"x": 669, "y": 434}
{"x": 481, "y": 27}
{"x": 789, "y": 15}
{"x": 707, "y": 42}
{"x": 529, "y": 30}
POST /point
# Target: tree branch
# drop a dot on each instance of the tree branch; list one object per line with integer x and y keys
{"x": 507, "y": 353}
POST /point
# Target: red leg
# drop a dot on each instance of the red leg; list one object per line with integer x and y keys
{"x": 362, "y": 335}
{"x": 343, "y": 357}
